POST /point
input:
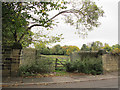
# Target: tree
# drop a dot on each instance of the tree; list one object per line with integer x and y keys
{"x": 46, "y": 51}
{"x": 52, "y": 51}
{"x": 115, "y": 46}
{"x": 107, "y": 47}
{"x": 115, "y": 49}
{"x": 17, "y": 17}
{"x": 85, "y": 48}
{"x": 72, "y": 49}
{"x": 57, "y": 50}
{"x": 15, "y": 22}
{"x": 64, "y": 48}
{"x": 40, "y": 47}
{"x": 13, "y": 25}
{"x": 97, "y": 45}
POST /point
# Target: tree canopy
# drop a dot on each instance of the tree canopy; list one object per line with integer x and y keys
{"x": 19, "y": 17}
{"x": 85, "y": 47}
{"x": 97, "y": 45}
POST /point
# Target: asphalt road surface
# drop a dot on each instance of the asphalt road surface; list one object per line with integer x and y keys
{"x": 110, "y": 83}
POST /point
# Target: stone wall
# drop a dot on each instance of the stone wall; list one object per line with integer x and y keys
{"x": 10, "y": 61}
{"x": 80, "y": 55}
{"x": 6, "y": 62}
{"x": 110, "y": 62}
{"x": 32, "y": 57}
{"x": 28, "y": 56}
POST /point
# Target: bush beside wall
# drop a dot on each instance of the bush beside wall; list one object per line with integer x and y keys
{"x": 109, "y": 61}
{"x": 87, "y": 65}
{"x": 32, "y": 63}
{"x": 42, "y": 65}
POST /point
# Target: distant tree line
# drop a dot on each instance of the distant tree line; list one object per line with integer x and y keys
{"x": 56, "y": 50}
{"x": 97, "y": 45}
{"x": 67, "y": 50}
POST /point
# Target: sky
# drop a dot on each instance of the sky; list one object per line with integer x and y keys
{"x": 107, "y": 32}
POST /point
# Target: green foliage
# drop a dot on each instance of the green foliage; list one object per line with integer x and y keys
{"x": 64, "y": 48}
{"x": 46, "y": 51}
{"x": 43, "y": 37}
{"x": 107, "y": 47}
{"x": 102, "y": 49}
{"x": 87, "y": 65}
{"x": 85, "y": 48}
{"x": 95, "y": 46}
{"x": 87, "y": 15}
{"x": 57, "y": 50}
{"x": 116, "y": 46}
{"x": 17, "y": 17}
{"x": 70, "y": 67}
{"x": 42, "y": 48}
{"x": 61, "y": 73}
{"x": 62, "y": 68}
{"x": 71, "y": 49}
{"x": 14, "y": 25}
{"x": 60, "y": 52}
{"x": 115, "y": 49}
{"x": 42, "y": 66}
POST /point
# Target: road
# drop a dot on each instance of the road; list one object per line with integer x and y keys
{"x": 110, "y": 83}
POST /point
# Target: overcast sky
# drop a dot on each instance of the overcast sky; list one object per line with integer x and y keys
{"x": 107, "y": 32}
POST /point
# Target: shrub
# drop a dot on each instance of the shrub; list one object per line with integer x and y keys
{"x": 41, "y": 66}
{"x": 93, "y": 65}
{"x": 87, "y": 65}
{"x": 70, "y": 67}
{"x": 81, "y": 67}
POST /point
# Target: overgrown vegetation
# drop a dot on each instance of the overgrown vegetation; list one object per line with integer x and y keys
{"x": 41, "y": 66}
{"x": 87, "y": 66}
{"x": 44, "y": 64}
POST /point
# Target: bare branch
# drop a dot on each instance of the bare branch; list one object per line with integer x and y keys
{"x": 66, "y": 11}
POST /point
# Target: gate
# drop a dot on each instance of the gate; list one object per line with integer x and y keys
{"x": 59, "y": 64}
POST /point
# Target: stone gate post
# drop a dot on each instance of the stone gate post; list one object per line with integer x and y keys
{"x": 15, "y": 55}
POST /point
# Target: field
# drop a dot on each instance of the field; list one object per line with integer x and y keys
{"x": 59, "y": 57}
{"x": 58, "y": 60}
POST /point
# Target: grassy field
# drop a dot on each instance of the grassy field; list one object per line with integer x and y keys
{"x": 61, "y": 59}
{"x": 56, "y": 56}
